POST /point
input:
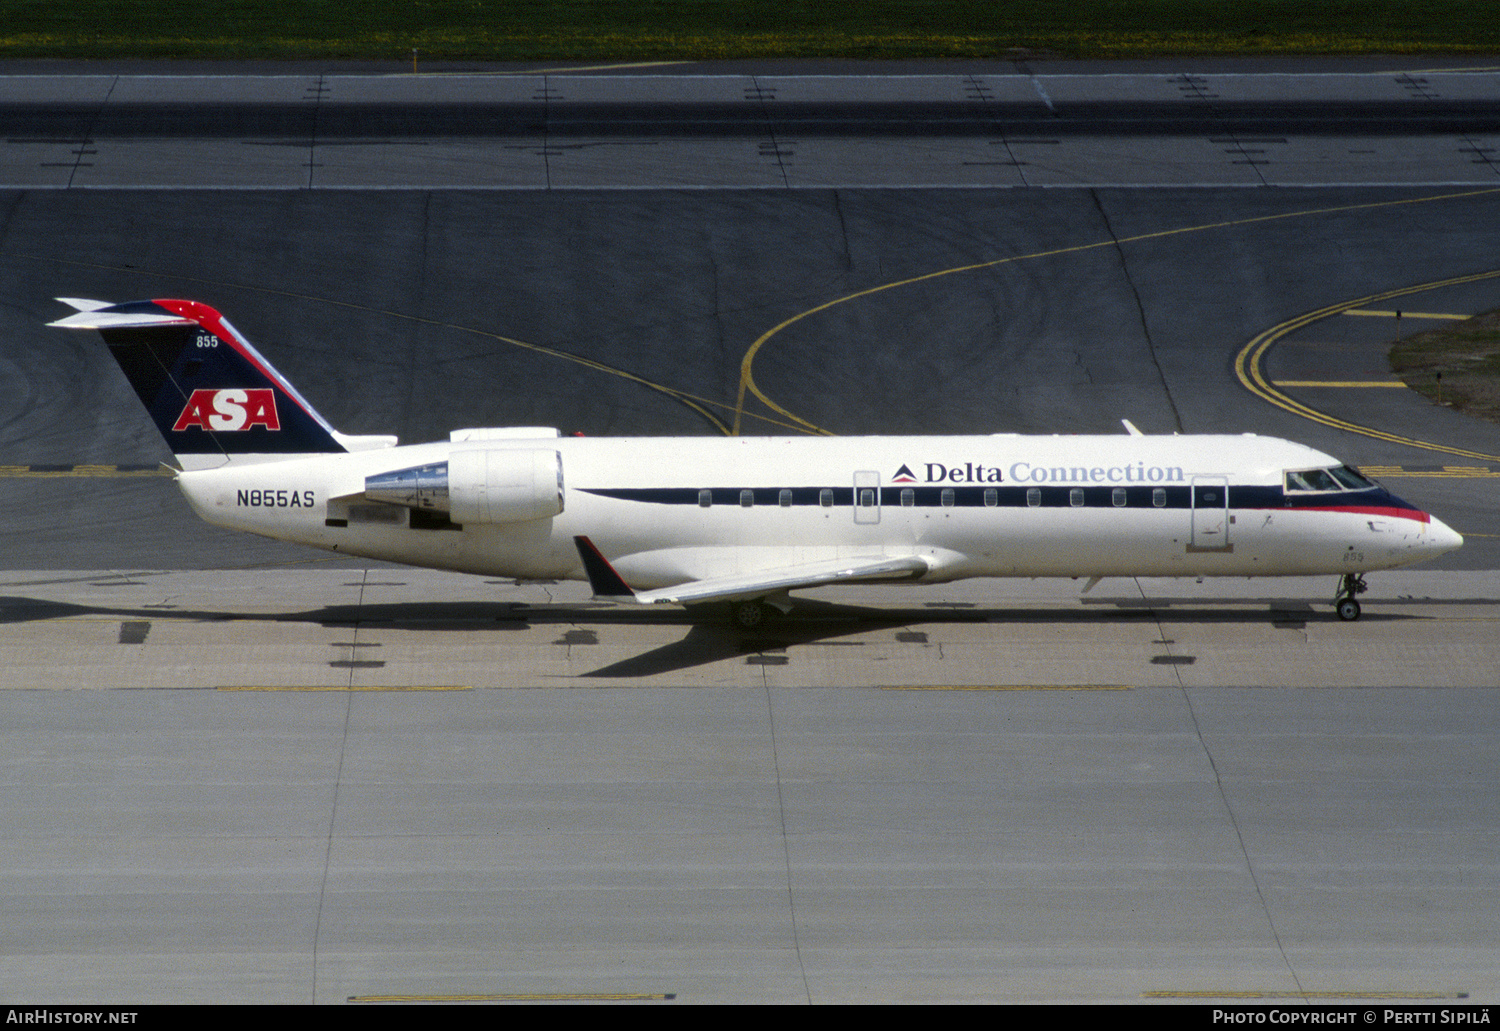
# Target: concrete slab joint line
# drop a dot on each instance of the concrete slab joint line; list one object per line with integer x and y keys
{"x": 1109, "y": 142}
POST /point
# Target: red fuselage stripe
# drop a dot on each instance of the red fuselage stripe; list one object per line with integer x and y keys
{"x": 1384, "y": 512}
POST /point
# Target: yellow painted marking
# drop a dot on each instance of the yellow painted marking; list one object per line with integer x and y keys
{"x": 1407, "y": 314}
{"x": 523, "y": 997}
{"x": 318, "y": 687}
{"x": 96, "y": 471}
{"x": 747, "y": 379}
{"x": 1227, "y": 994}
{"x": 1247, "y": 366}
{"x": 1416, "y": 474}
{"x": 1440, "y": 71}
{"x": 1475, "y": 472}
{"x": 547, "y": 71}
{"x": 1006, "y": 687}
{"x": 1337, "y": 383}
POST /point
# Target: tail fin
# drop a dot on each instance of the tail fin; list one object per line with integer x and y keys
{"x": 211, "y": 394}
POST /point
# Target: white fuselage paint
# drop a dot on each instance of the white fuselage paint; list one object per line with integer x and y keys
{"x": 653, "y": 543}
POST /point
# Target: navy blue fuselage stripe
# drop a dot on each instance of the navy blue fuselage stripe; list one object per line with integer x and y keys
{"x": 1242, "y": 497}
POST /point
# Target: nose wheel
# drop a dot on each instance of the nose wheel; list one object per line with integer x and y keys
{"x": 1350, "y": 585}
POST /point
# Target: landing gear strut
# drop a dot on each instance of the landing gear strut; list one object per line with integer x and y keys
{"x": 1350, "y": 584}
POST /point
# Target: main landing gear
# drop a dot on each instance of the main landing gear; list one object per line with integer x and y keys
{"x": 753, "y": 613}
{"x": 1350, "y": 584}
{"x": 748, "y": 615}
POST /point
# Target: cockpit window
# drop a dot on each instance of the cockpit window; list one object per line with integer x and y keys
{"x": 1339, "y": 478}
{"x": 1351, "y": 479}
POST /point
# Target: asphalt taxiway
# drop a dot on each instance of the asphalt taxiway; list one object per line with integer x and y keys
{"x": 238, "y": 771}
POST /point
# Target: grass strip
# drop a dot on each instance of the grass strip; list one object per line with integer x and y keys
{"x": 1456, "y": 365}
{"x": 692, "y": 30}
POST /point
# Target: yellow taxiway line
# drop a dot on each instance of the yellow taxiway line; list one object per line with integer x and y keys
{"x": 51, "y": 472}
{"x": 1241, "y": 994}
{"x": 1406, "y": 314}
{"x": 748, "y": 385}
{"x": 1247, "y": 367}
{"x": 1340, "y": 384}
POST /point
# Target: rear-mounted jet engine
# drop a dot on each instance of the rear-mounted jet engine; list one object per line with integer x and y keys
{"x": 510, "y": 485}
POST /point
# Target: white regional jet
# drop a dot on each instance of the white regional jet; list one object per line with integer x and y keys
{"x": 744, "y": 520}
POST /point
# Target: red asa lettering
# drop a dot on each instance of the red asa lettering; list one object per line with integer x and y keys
{"x": 229, "y": 410}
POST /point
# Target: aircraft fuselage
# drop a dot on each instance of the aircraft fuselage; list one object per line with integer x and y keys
{"x": 668, "y": 511}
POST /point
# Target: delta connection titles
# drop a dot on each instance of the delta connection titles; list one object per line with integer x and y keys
{"x": 1027, "y": 472}
{"x": 1389, "y": 1016}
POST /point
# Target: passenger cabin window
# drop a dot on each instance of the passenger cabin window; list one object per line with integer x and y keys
{"x": 908, "y": 497}
{"x": 1159, "y": 497}
{"x": 947, "y": 497}
{"x": 866, "y": 498}
{"x": 825, "y": 497}
{"x": 1033, "y": 497}
{"x": 747, "y": 499}
{"x": 991, "y": 497}
{"x": 1118, "y": 497}
{"x": 705, "y": 498}
{"x": 785, "y": 499}
{"x": 1075, "y": 497}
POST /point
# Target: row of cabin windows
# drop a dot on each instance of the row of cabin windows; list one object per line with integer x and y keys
{"x": 947, "y": 497}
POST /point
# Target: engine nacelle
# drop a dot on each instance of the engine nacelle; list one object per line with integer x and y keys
{"x": 478, "y": 485}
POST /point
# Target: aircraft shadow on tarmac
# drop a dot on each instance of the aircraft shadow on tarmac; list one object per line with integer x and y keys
{"x": 710, "y": 638}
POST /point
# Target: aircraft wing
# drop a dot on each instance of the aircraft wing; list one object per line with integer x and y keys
{"x": 609, "y": 586}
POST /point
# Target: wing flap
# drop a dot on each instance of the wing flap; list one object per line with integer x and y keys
{"x": 608, "y": 585}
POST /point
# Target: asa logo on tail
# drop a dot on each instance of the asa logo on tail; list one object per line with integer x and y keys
{"x": 229, "y": 410}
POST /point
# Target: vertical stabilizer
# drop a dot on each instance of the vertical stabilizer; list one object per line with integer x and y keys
{"x": 212, "y": 395}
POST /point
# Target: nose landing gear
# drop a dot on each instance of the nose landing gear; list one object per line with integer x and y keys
{"x": 1350, "y": 584}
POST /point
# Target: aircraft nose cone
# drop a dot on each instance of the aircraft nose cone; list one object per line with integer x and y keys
{"x": 1441, "y": 538}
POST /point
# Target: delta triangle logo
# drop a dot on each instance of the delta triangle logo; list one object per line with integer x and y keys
{"x": 904, "y": 475}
